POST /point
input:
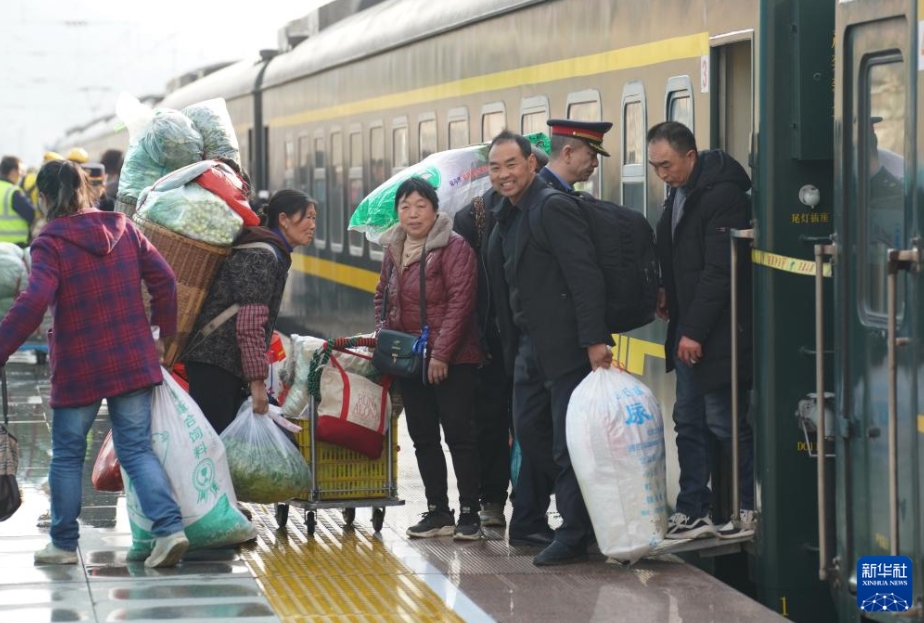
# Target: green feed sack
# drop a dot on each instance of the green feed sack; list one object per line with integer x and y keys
{"x": 194, "y": 212}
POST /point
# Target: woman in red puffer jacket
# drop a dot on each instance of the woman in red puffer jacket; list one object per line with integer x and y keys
{"x": 447, "y": 397}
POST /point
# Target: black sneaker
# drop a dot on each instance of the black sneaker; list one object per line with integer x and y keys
{"x": 680, "y": 526}
{"x": 434, "y": 522}
{"x": 469, "y": 526}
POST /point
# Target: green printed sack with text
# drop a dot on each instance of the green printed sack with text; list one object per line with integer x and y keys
{"x": 194, "y": 458}
{"x": 458, "y": 175}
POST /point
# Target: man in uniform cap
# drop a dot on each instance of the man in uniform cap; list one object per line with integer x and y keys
{"x": 96, "y": 175}
{"x": 576, "y": 147}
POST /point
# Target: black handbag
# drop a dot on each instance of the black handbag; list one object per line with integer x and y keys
{"x": 10, "y": 496}
{"x": 404, "y": 354}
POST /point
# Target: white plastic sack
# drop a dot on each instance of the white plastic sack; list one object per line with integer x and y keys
{"x": 194, "y": 459}
{"x": 13, "y": 275}
{"x": 265, "y": 465}
{"x": 616, "y": 440}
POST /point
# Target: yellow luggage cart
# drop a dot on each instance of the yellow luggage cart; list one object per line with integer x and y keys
{"x": 342, "y": 478}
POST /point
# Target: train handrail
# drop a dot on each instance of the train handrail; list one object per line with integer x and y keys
{"x": 821, "y": 251}
{"x": 898, "y": 260}
{"x": 734, "y": 236}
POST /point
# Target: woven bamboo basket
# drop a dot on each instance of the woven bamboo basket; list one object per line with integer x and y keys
{"x": 126, "y": 205}
{"x": 195, "y": 264}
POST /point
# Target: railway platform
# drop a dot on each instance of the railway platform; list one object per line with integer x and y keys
{"x": 340, "y": 574}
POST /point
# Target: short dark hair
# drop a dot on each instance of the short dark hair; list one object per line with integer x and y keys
{"x": 677, "y": 135}
{"x": 8, "y": 163}
{"x": 112, "y": 160}
{"x": 559, "y": 141}
{"x": 287, "y": 201}
{"x": 417, "y": 185}
{"x": 506, "y": 136}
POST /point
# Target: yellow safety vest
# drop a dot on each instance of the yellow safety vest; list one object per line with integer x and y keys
{"x": 12, "y": 226}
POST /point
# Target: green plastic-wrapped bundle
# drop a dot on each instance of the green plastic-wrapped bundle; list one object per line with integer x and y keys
{"x": 193, "y": 212}
{"x": 213, "y": 122}
{"x": 458, "y": 175}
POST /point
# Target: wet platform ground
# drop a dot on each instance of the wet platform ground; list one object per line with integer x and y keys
{"x": 341, "y": 573}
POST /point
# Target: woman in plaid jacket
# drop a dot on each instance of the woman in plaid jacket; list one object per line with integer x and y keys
{"x": 87, "y": 266}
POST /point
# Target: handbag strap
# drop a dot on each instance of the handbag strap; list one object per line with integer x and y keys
{"x": 5, "y": 397}
{"x": 423, "y": 287}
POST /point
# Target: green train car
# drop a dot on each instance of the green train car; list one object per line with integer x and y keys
{"x": 817, "y": 97}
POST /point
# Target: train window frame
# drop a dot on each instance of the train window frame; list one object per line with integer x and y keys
{"x": 289, "y": 160}
{"x": 868, "y": 315}
{"x": 594, "y": 185}
{"x": 376, "y": 251}
{"x": 427, "y": 118}
{"x": 676, "y": 88}
{"x": 458, "y": 115}
{"x": 488, "y": 110}
{"x": 355, "y": 174}
{"x": 633, "y": 173}
{"x": 336, "y": 195}
{"x": 304, "y": 166}
{"x": 400, "y": 123}
{"x": 537, "y": 104}
{"x": 318, "y": 182}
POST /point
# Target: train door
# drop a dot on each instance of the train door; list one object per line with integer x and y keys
{"x": 877, "y": 286}
{"x": 733, "y": 95}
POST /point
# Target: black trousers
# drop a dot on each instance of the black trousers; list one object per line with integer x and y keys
{"x": 493, "y": 423}
{"x": 539, "y": 409}
{"x": 217, "y": 392}
{"x": 449, "y": 404}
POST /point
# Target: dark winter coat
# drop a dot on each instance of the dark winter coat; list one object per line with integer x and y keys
{"x": 88, "y": 268}
{"x": 249, "y": 277}
{"x": 560, "y": 284}
{"x": 450, "y": 285}
{"x": 695, "y": 269}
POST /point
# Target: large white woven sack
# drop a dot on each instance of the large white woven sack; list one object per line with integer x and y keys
{"x": 616, "y": 440}
{"x": 194, "y": 458}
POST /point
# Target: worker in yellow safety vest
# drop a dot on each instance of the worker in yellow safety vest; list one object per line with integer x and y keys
{"x": 16, "y": 211}
{"x": 28, "y": 182}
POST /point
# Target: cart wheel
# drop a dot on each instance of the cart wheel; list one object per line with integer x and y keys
{"x": 309, "y": 522}
{"x": 282, "y": 514}
{"x": 349, "y": 514}
{"x": 41, "y": 357}
{"x": 378, "y": 519}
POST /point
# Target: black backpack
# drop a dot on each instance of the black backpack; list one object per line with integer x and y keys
{"x": 625, "y": 248}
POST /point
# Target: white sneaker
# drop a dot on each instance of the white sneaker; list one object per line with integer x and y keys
{"x": 168, "y": 550}
{"x": 51, "y": 555}
{"x": 745, "y": 526}
{"x": 680, "y": 526}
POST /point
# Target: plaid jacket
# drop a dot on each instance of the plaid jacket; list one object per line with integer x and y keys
{"x": 88, "y": 268}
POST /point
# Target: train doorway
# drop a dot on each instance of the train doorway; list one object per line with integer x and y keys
{"x": 733, "y": 95}
{"x": 877, "y": 313}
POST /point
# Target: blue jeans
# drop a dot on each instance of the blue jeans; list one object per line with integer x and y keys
{"x": 130, "y": 415}
{"x": 696, "y": 416}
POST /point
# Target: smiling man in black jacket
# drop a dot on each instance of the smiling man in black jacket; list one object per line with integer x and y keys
{"x": 707, "y": 198}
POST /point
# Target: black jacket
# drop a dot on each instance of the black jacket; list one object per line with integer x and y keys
{"x": 560, "y": 284}
{"x": 695, "y": 269}
{"x": 463, "y": 223}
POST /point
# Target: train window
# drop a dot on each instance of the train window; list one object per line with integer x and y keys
{"x": 678, "y": 101}
{"x": 303, "y": 176}
{"x": 319, "y": 190}
{"x": 376, "y": 172}
{"x": 335, "y": 200}
{"x": 634, "y": 154}
{"x": 458, "y": 127}
{"x": 355, "y": 239}
{"x": 493, "y": 120}
{"x": 534, "y": 112}
{"x": 585, "y": 106}
{"x": 400, "y": 151}
{"x": 288, "y": 175}
{"x": 881, "y": 145}
{"x": 426, "y": 136}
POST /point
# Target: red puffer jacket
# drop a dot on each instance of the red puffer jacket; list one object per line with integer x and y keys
{"x": 451, "y": 289}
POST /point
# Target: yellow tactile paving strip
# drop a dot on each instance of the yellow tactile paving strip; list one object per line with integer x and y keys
{"x": 337, "y": 575}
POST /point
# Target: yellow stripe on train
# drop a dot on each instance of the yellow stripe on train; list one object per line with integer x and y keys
{"x": 674, "y": 48}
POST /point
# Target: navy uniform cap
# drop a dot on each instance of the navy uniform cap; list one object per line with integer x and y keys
{"x": 591, "y": 132}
